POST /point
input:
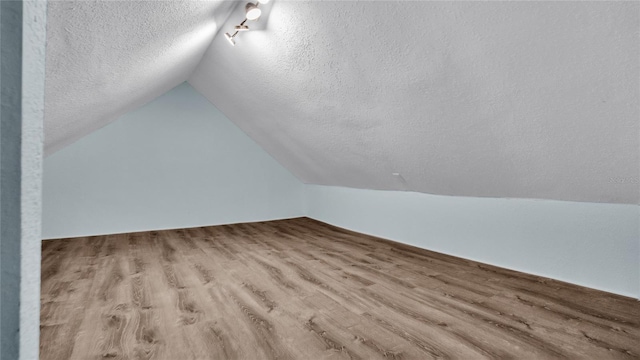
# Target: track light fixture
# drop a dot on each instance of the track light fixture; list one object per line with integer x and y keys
{"x": 252, "y": 12}
{"x": 230, "y": 38}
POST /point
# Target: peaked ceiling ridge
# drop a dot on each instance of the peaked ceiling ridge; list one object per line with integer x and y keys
{"x": 205, "y": 58}
{"x": 219, "y": 29}
{"x": 93, "y": 79}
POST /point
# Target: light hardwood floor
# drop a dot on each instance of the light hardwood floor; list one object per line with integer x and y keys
{"x": 300, "y": 289}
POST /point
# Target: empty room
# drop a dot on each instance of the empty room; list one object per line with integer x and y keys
{"x": 320, "y": 180}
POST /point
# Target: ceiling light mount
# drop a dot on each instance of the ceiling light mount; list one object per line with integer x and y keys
{"x": 252, "y": 12}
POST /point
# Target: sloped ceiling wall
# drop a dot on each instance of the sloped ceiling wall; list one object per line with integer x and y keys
{"x": 497, "y": 99}
{"x": 105, "y": 58}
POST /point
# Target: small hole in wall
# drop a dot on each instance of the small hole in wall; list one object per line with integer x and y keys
{"x": 401, "y": 183}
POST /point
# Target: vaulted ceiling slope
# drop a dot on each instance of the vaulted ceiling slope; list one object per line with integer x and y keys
{"x": 105, "y": 58}
{"x": 498, "y": 99}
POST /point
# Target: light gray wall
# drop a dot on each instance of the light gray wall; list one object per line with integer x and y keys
{"x": 594, "y": 245}
{"x": 22, "y": 40}
{"x": 33, "y": 88}
{"x": 10, "y": 133}
{"x": 176, "y": 162}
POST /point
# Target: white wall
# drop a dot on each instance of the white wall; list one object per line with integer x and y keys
{"x": 594, "y": 245}
{"x": 23, "y": 28}
{"x": 33, "y": 87}
{"x": 176, "y": 162}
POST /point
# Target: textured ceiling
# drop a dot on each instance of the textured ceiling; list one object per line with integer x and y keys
{"x": 500, "y": 99}
{"x": 105, "y": 58}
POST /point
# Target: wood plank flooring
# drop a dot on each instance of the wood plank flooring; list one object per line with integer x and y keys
{"x": 301, "y": 289}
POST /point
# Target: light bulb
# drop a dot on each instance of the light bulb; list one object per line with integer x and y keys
{"x": 253, "y": 12}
